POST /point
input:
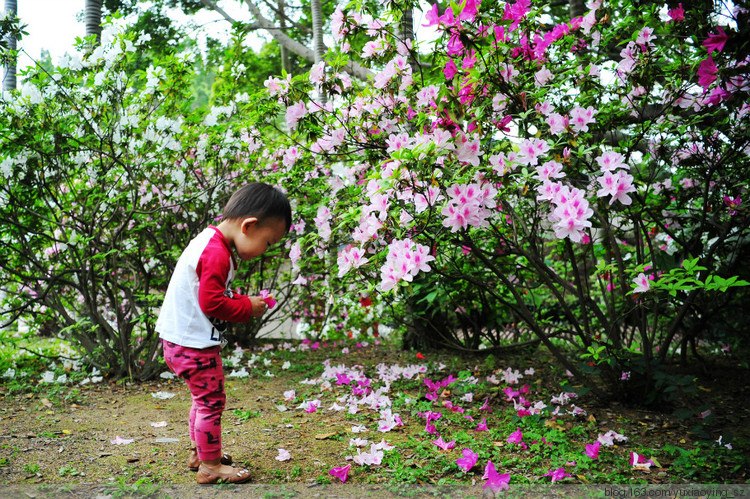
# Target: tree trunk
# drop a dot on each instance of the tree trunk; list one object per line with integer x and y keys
{"x": 282, "y": 24}
{"x": 318, "y": 46}
{"x": 406, "y": 33}
{"x": 9, "y": 72}
{"x": 93, "y": 19}
{"x": 353, "y": 68}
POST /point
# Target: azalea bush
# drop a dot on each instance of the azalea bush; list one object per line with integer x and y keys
{"x": 108, "y": 172}
{"x": 539, "y": 174}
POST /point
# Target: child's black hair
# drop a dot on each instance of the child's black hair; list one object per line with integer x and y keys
{"x": 259, "y": 200}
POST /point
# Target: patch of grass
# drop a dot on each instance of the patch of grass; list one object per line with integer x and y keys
{"x": 245, "y": 416}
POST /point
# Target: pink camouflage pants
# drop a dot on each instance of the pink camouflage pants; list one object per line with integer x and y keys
{"x": 203, "y": 372}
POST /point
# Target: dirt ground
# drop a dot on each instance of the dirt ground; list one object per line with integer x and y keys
{"x": 50, "y": 441}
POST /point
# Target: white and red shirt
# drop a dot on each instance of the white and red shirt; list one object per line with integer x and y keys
{"x": 199, "y": 301}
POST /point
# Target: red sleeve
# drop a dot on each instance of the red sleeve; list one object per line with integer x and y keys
{"x": 213, "y": 270}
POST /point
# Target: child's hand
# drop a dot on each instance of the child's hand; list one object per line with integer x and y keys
{"x": 259, "y": 306}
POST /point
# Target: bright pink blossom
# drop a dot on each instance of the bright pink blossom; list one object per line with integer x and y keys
{"x": 592, "y": 450}
{"x": 443, "y": 444}
{"x": 450, "y": 69}
{"x": 341, "y": 473}
{"x": 715, "y": 41}
{"x": 707, "y": 72}
{"x": 557, "y": 474}
{"x": 268, "y": 298}
{"x": 677, "y": 14}
{"x": 733, "y": 204}
{"x": 495, "y": 481}
{"x": 516, "y": 437}
{"x": 468, "y": 460}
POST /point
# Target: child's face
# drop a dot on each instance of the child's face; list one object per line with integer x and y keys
{"x": 256, "y": 237}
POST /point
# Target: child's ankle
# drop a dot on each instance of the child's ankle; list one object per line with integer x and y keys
{"x": 212, "y": 463}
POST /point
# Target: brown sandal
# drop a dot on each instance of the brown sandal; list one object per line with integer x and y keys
{"x": 194, "y": 462}
{"x": 207, "y": 476}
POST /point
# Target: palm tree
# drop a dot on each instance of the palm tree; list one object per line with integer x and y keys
{"x": 9, "y": 73}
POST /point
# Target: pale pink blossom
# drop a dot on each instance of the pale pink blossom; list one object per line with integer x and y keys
{"x": 350, "y": 258}
{"x": 581, "y": 117}
{"x": 611, "y": 161}
{"x": 618, "y": 185}
{"x": 642, "y": 283}
{"x": 557, "y": 123}
{"x": 294, "y": 113}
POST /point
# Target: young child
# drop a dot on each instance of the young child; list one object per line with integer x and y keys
{"x": 199, "y": 303}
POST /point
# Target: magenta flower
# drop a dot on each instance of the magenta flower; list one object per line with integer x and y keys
{"x": 450, "y": 69}
{"x": 732, "y": 204}
{"x": 430, "y": 428}
{"x": 486, "y": 405}
{"x": 677, "y": 14}
{"x": 516, "y": 437}
{"x": 443, "y": 444}
{"x": 432, "y": 16}
{"x": 311, "y": 407}
{"x": 715, "y": 41}
{"x": 468, "y": 461}
{"x": 557, "y": 474}
{"x": 707, "y": 72}
{"x": 495, "y": 481}
{"x": 268, "y": 298}
{"x": 592, "y": 450}
{"x": 341, "y": 473}
{"x": 483, "y": 425}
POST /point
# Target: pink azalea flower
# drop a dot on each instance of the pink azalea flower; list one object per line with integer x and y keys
{"x": 516, "y": 437}
{"x": 677, "y": 14}
{"x": 268, "y": 298}
{"x": 733, "y": 204}
{"x": 611, "y": 161}
{"x": 557, "y": 123}
{"x": 443, "y": 444}
{"x": 283, "y": 455}
{"x": 468, "y": 461}
{"x": 639, "y": 462}
{"x": 592, "y": 450}
{"x": 118, "y": 440}
{"x": 715, "y": 41}
{"x": 450, "y": 69}
{"x": 469, "y": 12}
{"x": 617, "y": 184}
{"x": 311, "y": 407}
{"x": 557, "y": 474}
{"x": 430, "y": 428}
{"x": 482, "y": 426}
{"x": 707, "y": 72}
{"x": 580, "y": 117}
{"x": 495, "y": 481}
{"x": 642, "y": 283}
{"x": 294, "y": 113}
{"x": 432, "y": 16}
{"x": 486, "y": 405}
{"x": 341, "y": 473}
